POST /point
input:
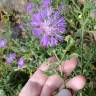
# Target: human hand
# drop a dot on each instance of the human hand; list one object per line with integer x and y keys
{"x": 42, "y": 85}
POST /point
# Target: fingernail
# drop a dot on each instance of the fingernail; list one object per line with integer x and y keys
{"x": 64, "y": 92}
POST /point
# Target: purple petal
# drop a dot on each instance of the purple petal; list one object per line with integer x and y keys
{"x": 37, "y": 32}
{"x": 56, "y": 15}
{"x": 37, "y": 16}
{"x": 62, "y": 24}
{"x": 46, "y": 3}
{"x": 11, "y": 58}
{"x": 3, "y": 43}
{"x": 60, "y": 30}
{"x": 59, "y": 38}
{"x": 44, "y": 41}
{"x": 21, "y": 62}
{"x": 36, "y": 19}
{"x": 60, "y": 20}
{"x": 53, "y": 42}
{"x": 49, "y": 11}
{"x": 35, "y": 23}
{"x": 43, "y": 14}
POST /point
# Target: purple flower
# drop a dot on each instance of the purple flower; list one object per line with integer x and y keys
{"x": 21, "y": 62}
{"x": 48, "y": 25}
{"x": 11, "y": 58}
{"x": 3, "y": 43}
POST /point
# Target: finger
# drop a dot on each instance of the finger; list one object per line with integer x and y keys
{"x": 35, "y": 83}
{"x": 68, "y": 66}
{"x": 76, "y": 83}
{"x": 53, "y": 82}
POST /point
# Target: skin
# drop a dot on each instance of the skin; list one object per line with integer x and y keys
{"x": 42, "y": 85}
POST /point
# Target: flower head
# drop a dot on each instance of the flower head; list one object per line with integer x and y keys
{"x": 47, "y": 24}
{"x": 3, "y": 43}
{"x": 11, "y": 58}
{"x": 21, "y": 62}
